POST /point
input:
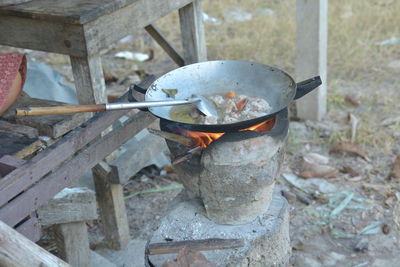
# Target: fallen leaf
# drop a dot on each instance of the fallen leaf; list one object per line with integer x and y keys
{"x": 349, "y": 170}
{"x": 396, "y": 168}
{"x": 315, "y": 166}
{"x": 187, "y": 257}
{"x": 351, "y": 101}
{"x": 350, "y": 148}
{"x": 354, "y": 124}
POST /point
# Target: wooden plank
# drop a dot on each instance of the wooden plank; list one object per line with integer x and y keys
{"x": 23, "y": 177}
{"x": 110, "y": 199}
{"x": 42, "y": 35}
{"x": 203, "y": 244}
{"x": 16, "y": 250}
{"x": 29, "y": 150}
{"x": 311, "y": 55}
{"x": 69, "y": 205}
{"x": 8, "y": 164}
{"x": 105, "y": 30}
{"x": 50, "y": 125}
{"x": 135, "y": 158}
{"x": 12, "y": 143}
{"x": 192, "y": 32}
{"x": 89, "y": 79}
{"x": 45, "y": 189}
{"x": 17, "y": 128}
{"x": 73, "y": 243}
{"x": 165, "y": 45}
{"x": 31, "y": 228}
{"x": 71, "y": 11}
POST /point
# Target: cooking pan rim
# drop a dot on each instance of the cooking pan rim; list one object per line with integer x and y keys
{"x": 292, "y": 88}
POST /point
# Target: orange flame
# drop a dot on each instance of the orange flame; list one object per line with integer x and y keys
{"x": 203, "y": 139}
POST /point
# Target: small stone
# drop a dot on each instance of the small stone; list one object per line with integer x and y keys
{"x": 385, "y": 229}
{"x": 361, "y": 245}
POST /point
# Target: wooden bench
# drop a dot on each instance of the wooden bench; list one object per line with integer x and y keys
{"x": 82, "y": 29}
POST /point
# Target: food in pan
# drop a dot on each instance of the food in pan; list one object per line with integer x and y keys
{"x": 231, "y": 108}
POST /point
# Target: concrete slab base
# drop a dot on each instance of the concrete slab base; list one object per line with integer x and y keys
{"x": 97, "y": 260}
{"x": 131, "y": 256}
{"x": 266, "y": 238}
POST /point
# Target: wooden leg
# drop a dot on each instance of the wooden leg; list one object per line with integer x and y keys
{"x": 73, "y": 243}
{"x": 111, "y": 203}
{"x": 89, "y": 79}
{"x": 192, "y": 31}
{"x": 311, "y": 55}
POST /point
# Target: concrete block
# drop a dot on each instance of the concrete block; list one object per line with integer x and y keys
{"x": 266, "y": 237}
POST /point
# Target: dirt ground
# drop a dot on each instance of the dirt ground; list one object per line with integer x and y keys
{"x": 350, "y": 219}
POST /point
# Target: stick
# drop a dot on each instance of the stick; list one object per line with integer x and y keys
{"x": 186, "y": 155}
{"x": 187, "y": 141}
{"x": 203, "y": 244}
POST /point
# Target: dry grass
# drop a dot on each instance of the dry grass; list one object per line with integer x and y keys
{"x": 354, "y": 28}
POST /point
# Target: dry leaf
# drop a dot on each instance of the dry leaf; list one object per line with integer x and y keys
{"x": 315, "y": 166}
{"x": 350, "y": 148}
{"x": 354, "y": 123}
{"x": 351, "y": 101}
{"x": 349, "y": 170}
{"x": 189, "y": 258}
{"x": 396, "y": 168}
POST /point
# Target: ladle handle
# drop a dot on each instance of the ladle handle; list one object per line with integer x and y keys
{"x": 33, "y": 111}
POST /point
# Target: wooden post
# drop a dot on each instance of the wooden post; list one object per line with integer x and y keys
{"x": 89, "y": 79}
{"x": 311, "y": 55}
{"x": 16, "y": 250}
{"x": 112, "y": 207}
{"x": 68, "y": 212}
{"x": 192, "y": 32}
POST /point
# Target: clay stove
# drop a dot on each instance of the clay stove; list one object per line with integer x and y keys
{"x": 229, "y": 189}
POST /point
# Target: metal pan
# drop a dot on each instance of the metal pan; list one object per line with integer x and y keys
{"x": 218, "y": 77}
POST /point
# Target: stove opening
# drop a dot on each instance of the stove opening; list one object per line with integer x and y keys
{"x": 203, "y": 139}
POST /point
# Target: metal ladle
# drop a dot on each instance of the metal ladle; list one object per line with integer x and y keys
{"x": 204, "y": 105}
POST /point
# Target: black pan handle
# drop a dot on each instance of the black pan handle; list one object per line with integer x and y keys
{"x": 139, "y": 89}
{"x": 307, "y": 86}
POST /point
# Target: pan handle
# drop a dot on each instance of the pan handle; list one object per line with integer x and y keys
{"x": 307, "y": 86}
{"x": 139, "y": 89}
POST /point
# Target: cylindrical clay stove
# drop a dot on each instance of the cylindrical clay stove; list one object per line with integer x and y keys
{"x": 230, "y": 197}
{"x": 234, "y": 176}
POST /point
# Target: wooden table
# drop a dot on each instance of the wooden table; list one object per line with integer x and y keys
{"x": 81, "y": 29}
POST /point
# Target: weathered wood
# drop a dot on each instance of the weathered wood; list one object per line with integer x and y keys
{"x": 30, "y": 228}
{"x": 69, "y": 205}
{"x": 29, "y": 150}
{"x": 42, "y": 35}
{"x": 89, "y": 79}
{"x": 12, "y": 143}
{"x": 12, "y": 2}
{"x": 203, "y": 244}
{"x": 9, "y": 163}
{"x": 110, "y": 199}
{"x": 71, "y": 11}
{"x": 21, "y": 129}
{"x": 78, "y": 29}
{"x": 73, "y": 243}
{"x": 165, "y": 45}
{"x": 135, "y": 158}
{"x": 46, "y": 161}
{"x": 45, "y": 189}
{"x": 105, "y": 30}
{"x": 16, "y": 250}
{"x": 54, "y": 125}
{"x": 192, "y": 32}
{"x": 187, "y": 141}
{"x": 311, "y": 55}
